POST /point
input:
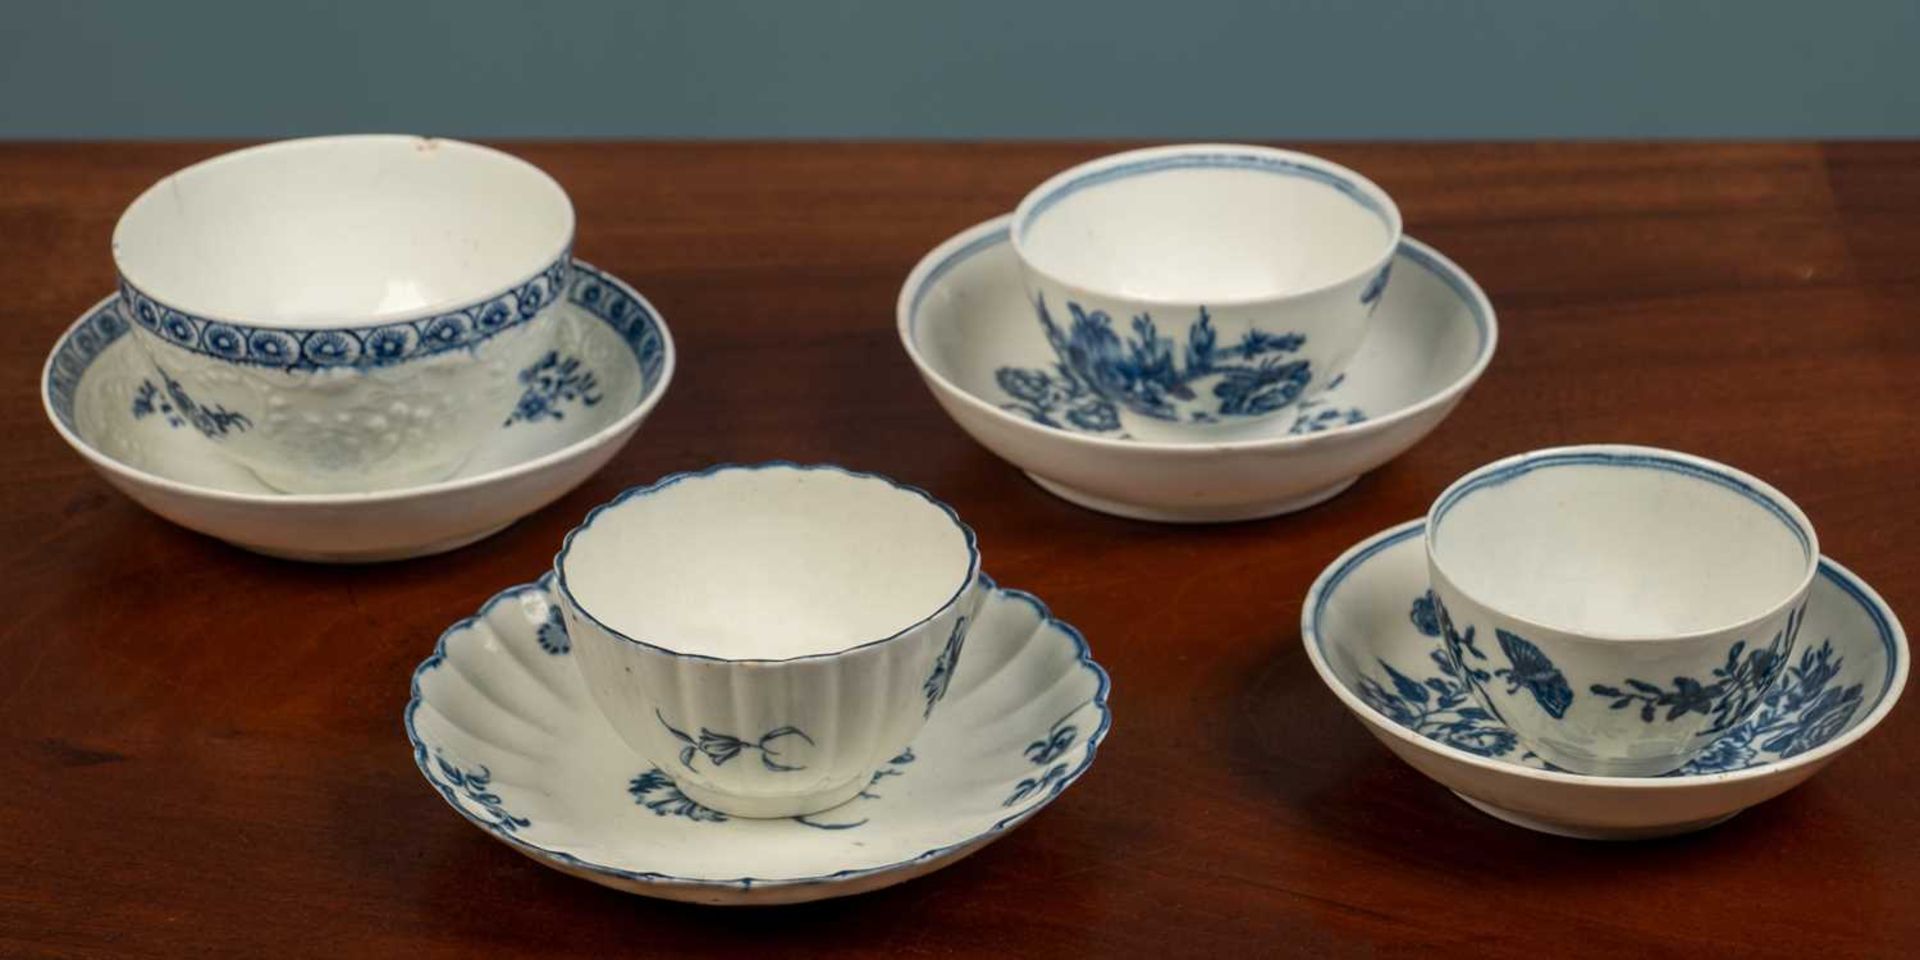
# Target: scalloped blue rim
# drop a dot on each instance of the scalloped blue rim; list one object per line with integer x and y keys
{"x": 1330, "y": 582}
{"x": 559, "y": 559}
{"x": 1083, "y": 658}
{"x": 102, "y": 325}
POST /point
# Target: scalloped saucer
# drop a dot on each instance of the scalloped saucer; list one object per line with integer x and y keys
{"x": 503, "y": 727}
{"x": 1369, "y": 629}
{"x": 611, "y": 362}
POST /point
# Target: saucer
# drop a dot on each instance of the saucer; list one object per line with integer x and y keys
{"x": 579, "y": 403}
{"x": 502, "y": 725}
{"x": 1372, "y": 632}
{"x": 965, "y": 320}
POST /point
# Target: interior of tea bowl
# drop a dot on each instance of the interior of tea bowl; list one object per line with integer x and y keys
{"x": 352, "y": 308}
{"x": 1621, "y": 605}
{"x": 768, "y": 635}
{"x": 1206, "y": 288}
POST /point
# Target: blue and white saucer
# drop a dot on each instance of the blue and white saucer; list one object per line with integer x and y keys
{"x": 1370, "y": 630}
{"x": 504, "y": 728}
{"x": 611, "y": 363}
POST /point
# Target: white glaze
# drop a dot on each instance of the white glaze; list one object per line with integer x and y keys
{"x": 769, "y": 634}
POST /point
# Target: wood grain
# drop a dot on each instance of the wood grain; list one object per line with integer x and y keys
{"x": 202, "y": 750}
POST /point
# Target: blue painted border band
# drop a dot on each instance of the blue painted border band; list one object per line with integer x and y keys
{"x": 1205, "y": 161}
{"x": 594, "y": 290}
{"x": 1832, "y": 574}
{"x": 1640, "y": 461}
{"x": 1083, "y": 659}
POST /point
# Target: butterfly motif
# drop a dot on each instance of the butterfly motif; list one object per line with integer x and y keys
{"x": 1531, "y": 669}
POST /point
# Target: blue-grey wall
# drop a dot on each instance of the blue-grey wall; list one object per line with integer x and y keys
{"x": 1269, "y": 69}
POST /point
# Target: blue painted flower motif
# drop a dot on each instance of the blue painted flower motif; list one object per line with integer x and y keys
{"x": 330, "y": 348}
{"x": 893, "y": 768}
{"x": 224, "y": 341}
{"x": 550, "y": 382}
{"x": 1142, "y": 373}
{"x": 492, "y": 316}
{"x": 531, "y": 297}
{"x": 273, "y": 347}
{"x": 178, "y": 329}
{"x": 446, "y": 330}
{"x": 1057, "y": 741}
{"x": 719, "y": 748}
{"x": 937, "y": 682}
{"x": 1732, "y": 691}
{"x": 1376, "y": 288}
{"x": 552, "y": 634}
{"x": 1801, "y": 712}
{"x": 474, "y": 785}
{"x": 1048, "y": 398}
{"x": 390, "y": 344}
{"x": 1036, "y": 786}
{"x": 656, "y": 791}
{"x": 180, "y": 410}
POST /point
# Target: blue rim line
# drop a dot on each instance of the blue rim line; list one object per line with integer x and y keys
{"x": 1083, "y": 656}
{"x": 560, "y": 559}
{"x": 1598, "y": 458}
{"x": 1417, "y": 527}
{"x": 1215, "y": 160}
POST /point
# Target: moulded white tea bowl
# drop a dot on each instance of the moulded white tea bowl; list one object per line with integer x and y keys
{"x": 1618, "y": 607}
{"x": 610, "y": 362}
{"x": 346, "y": 314}
{"x": 769, "y": 635}
{"x": 964, "y": 320}
{"x": 1204, "y": 289}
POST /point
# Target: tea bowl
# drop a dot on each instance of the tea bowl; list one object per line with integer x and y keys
{"x": 964, "y": 320}
{"x": 1370, "y": 631}
{"x": 768, "y": 635}
{"x": 1618, "y": 607}
{"x": 1205, "y": 288}
{"x": 346, "y": 314}
{"x": 611, "y": 362}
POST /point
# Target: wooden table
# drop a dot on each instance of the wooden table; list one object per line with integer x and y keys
{"x": 202, "y": 748}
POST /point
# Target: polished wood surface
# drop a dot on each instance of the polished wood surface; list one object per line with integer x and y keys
{"x": 201, "y": 749}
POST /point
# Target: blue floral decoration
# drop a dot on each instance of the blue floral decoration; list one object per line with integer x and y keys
{"x": 180, "y": 410}
{"x": 1803, "y": 710}
{"x": 552, "y": 634}
{"x": 1376, "y": 288}
{"x": 719, "y": 748}
{"x": 1058, "y": 739}
{"x": 1528, "y": 667}
{"x": 474, "y": 785}
{"x": 937, "y": 682}
{"x": 551, "y": 382}
{"x": 656, "y": 791}
{"x": 1036, "y": 786}
{"x": 1727, "y": 695}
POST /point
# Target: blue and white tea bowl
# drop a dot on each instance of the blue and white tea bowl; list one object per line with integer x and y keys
{"x": 964, "y": 320}
{"x": 503, "y": 726}
{"x": 1618, "y": 607}
{"x": 1373, "y": 633}
{"x": 769, "y": 635}
{"x": 347, "y": 314}
{"x": 609, "y": 364}
{"x": 1204, "y": 289}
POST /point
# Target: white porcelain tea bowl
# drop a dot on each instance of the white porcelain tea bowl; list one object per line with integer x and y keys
{"x": 1618, "y": 607}
{"x": 965, "y": 321}
{"x": 346, "y": 314}
{"x": 1204, "y": 289}
{"x": 503, "y": 727}
{"x": 769, "y": 635}
{"x": 1374, "y": 634}
{"x": 608, "y": 365}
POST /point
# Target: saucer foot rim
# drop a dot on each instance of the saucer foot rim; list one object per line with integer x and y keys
{"x": 1578, "y": 832}
{"x": 1193, "y": 514}
{"x": 774, "y": 808}
{"x": 383, "y": 555}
